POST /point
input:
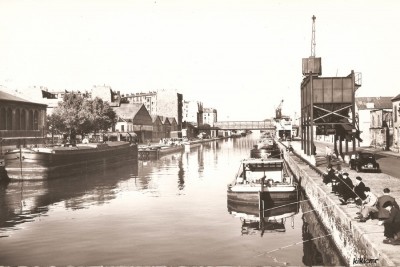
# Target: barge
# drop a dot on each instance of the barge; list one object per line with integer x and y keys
{"x": 263, "y": 180}
{"x": 55, "y": 162}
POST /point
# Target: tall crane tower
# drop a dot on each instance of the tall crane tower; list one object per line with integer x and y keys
{"x": 278, "y": 111}
{"x": 313, "y": 37}
{"x": 312, "y": 64}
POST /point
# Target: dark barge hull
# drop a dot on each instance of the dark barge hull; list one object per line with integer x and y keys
{"x": 46, "y": 163}
{"x": 270, "y": 198}
{"x": 272, "y": 209}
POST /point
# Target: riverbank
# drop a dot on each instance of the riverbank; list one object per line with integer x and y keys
{"x": 154, "y": 150}
{"x": 355, "y": 240}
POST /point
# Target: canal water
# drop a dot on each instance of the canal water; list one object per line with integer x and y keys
{"x": 171, "y": 211}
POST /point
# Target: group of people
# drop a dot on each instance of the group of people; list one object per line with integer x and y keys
{"x": 383, "y": 208}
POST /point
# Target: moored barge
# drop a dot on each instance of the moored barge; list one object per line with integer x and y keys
{"x": 54, "y": 162}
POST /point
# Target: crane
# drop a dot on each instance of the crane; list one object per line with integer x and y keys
{"x": 278, "y": 111}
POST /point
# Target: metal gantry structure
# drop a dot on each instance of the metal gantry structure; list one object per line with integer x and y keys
{"x": 327, "y": 104}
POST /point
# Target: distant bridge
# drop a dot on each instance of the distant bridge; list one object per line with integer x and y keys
{"x": 245, "y": 125}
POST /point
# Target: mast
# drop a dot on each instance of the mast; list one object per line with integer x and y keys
{"x": 313, "y": 37}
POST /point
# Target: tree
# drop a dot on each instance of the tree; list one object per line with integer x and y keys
{"x": 81, "y": 115}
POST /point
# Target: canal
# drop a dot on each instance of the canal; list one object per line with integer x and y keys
{"x": 172, "y": 211}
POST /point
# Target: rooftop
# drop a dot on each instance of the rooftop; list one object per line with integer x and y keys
{"x": 380, "y": 102}
{"x": 9, "y": 97}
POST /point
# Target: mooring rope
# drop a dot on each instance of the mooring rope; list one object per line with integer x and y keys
{"x": 291, "y": 245}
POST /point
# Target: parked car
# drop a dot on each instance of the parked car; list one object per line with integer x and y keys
{"x": 364, "y": 161}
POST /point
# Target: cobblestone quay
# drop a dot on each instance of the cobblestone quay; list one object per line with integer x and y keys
{"x": 359, "y": 243}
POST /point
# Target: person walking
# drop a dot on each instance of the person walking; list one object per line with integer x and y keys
{"x": 328, "y": 154}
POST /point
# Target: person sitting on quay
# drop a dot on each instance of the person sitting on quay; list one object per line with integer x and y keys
{"x": 369, "y": 206}
{"x": 383, "y": 213}
{"x": 328, "y": 175}
{"x": 338, "y": 180}
{"x": 359, "y": 191}
{"x": 345, "y": 189}
{"x": 392, "y": 224}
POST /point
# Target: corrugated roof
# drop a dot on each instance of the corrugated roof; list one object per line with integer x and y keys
{"x": 396, "y": 98}
{"x": 380, "y": 102}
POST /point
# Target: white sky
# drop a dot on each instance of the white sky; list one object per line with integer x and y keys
{"x": 240, "y": 57}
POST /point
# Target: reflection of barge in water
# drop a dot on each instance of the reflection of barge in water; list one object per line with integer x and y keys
{"x": 44, "y": 163}
{"x": 264, "y": 218}
{"x": 24, "y": 201}
{"x": 263, "y": 194}
{"x": 263, "y": 179}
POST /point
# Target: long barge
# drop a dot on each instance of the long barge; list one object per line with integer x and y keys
{"x": 55, "y": 162}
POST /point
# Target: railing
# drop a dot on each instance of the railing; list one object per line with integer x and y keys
{"x": 20, "y": 133}
{"x": 245, "y": 125}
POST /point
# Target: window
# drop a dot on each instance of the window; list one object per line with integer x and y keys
{"x": 36, "y": 120}
{"x": 3, "y": 119}
{"x": 9, "y": 119}
{"x": 23, "y": 119}
{"x": 17, "y": 120}
{"x": 30, "y": 120}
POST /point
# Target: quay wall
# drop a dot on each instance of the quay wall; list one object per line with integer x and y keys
{"x": 318, "y": 249}
{"x": 352, "y": 242}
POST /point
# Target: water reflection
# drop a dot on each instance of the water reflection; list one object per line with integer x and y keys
{"x": 22, "y": 201}
{"x": 318, "y": 248}
{"x": 181, "y": 174}
{"x": 174, "y": 208}
{"x": 273, "y": 219}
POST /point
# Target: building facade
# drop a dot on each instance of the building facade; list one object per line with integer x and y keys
{"x": 191, "y": 111}
{"x": 380, "y": 132}
{"x": 209, "y": 116}
{"x": 364, "y": 106}
{"x": 134, "y": 117}
{"x": 22, "y": 123}
{"x": 396, "y": 123}
{"x": 158, "y": 129}
{"x": 106, "y": 93}
{"x": 148, "y": 99}
{"x": 163, "y": 102}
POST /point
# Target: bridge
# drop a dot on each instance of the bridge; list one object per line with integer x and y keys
{"x": 245, "y": 125}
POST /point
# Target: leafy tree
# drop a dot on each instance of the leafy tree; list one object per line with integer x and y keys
{"x": 81, "y": 115}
